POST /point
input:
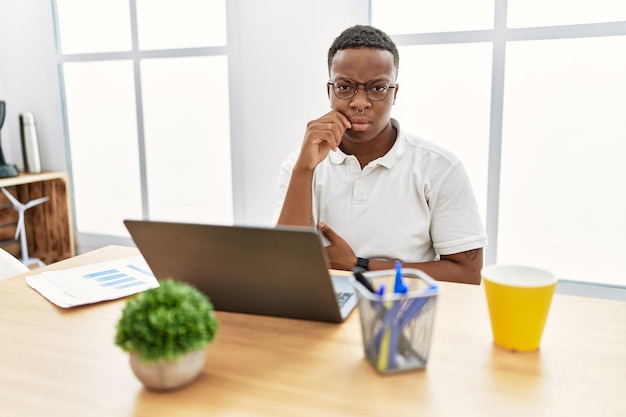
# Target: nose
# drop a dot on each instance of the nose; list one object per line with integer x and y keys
{"x": 360, "y": 101}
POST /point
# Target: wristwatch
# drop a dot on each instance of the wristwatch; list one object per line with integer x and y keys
{"x": 363, "y": 263}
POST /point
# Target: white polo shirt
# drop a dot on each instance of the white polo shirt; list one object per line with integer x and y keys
{"x": 414, "y": 203}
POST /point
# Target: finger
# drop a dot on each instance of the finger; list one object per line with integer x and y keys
{"x": 343, "y": 119}
{"x": 326, "y": 231}
{"x": 329, "y": 128}
{"x": 339, "y": 118}
{"x": 326, "y": 132}
{"x": 319, "y": 135}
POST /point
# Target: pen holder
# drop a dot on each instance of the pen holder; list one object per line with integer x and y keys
{"x": 397, "y": 328}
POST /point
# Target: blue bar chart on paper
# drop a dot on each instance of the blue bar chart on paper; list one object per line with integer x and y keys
{"x": 94, "y": 283}
{"x": 116, "y": 278}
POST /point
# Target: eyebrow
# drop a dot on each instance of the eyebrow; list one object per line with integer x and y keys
{"x": 365, "y": 82}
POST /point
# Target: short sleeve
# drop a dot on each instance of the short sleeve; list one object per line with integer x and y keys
{"x": 456, "y": 224}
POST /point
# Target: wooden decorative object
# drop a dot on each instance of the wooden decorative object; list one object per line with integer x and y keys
{"x": 49, "y": 228}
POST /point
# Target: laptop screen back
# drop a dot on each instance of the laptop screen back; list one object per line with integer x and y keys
{"x": 267, "y": 271}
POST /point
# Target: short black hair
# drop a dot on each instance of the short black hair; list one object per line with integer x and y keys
{"x": 360, "y": 36}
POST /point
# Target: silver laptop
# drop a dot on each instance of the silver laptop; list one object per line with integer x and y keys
{"x": 278, "y": 271}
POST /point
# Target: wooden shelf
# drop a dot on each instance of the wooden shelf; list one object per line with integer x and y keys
{"x": 49, "y": 230}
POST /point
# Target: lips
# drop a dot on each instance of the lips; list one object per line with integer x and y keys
{"x": 360, "y": 123}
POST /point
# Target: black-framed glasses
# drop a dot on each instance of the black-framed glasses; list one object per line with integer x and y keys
{"x": 345, "y": 89}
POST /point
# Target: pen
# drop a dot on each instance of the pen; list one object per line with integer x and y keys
{"x": 384, "y": 346}
{"x": 389, "y": 342}
{"x": 396, "y": 327}
{"x": 416, "y": 305}
{"x": 399, "y": 287}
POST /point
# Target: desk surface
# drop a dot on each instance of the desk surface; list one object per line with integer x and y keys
{"x": 57, "y": 362}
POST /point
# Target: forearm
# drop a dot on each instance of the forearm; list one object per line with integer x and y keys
{"x": 462, "y": 267}
{"x": 297, "y": 208}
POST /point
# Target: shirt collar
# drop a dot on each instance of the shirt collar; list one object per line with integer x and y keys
{"x": 388, "y": 160}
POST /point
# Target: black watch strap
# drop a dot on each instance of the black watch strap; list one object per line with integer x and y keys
{"x": 363, "y": 263}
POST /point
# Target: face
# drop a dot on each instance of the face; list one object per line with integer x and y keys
{"x": 364, "y": 65}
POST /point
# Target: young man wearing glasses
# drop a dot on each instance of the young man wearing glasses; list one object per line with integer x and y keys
{"x": 376, "y": 193}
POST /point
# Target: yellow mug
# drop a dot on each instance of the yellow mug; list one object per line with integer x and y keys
{"x": 518, "y": 298}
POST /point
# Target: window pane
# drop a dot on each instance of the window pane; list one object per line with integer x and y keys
{"x": 186, "y": 118}
{"x": 422, "y": 16}
{"x": 89, "y": 26}
{"x": 102, "y": 131}
{"x": 444, "y": 96}
{"x": 522, "y": 13}
{"x": 168, "y": 24}
{"x": 562, "y": 201}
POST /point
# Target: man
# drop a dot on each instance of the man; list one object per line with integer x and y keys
{"x": 376, "y": 193}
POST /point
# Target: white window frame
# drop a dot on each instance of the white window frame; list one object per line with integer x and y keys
{"x": 89, "y": 241}
{"x": 500, "y": 36}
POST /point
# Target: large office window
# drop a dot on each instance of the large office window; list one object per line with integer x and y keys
{"x": 532, "y": 96}
{"x": 147, "y": 106}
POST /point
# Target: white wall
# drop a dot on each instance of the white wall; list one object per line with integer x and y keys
{"x": 275, "y": 43}
{"x": 29, "y": 80}
{"x": 283, "y": 44}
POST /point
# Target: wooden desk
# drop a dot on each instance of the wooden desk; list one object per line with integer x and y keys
{"x": 56, "y": 362}
{"x": 49, "y": 230}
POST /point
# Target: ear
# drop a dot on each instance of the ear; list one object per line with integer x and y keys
{"x": 395, "y": 93}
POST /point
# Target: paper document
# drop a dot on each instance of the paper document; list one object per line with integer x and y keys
{"x": 94, "y": 283}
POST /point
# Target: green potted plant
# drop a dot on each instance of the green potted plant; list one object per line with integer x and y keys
{"x": 166, "y": 330}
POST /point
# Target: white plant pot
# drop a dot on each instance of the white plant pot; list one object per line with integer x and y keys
{"x": 167, "y": 375}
